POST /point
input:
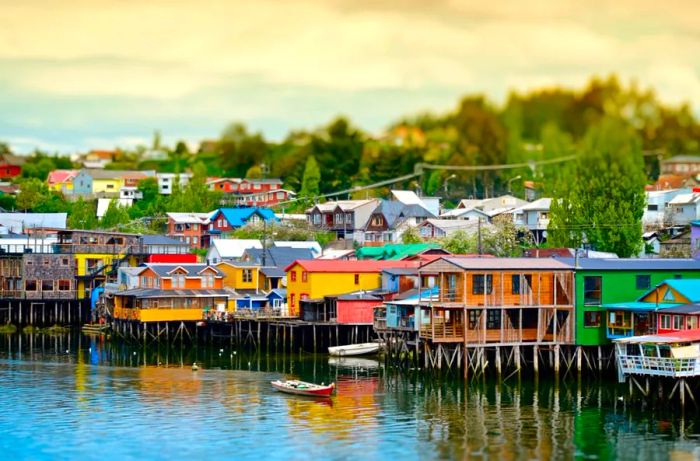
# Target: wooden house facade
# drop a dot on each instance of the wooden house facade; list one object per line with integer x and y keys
{"x": 502, "y": 301}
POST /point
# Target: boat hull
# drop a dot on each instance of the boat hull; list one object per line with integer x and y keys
{"x": 354, "y": 349}
{"x": 302, "y": 388}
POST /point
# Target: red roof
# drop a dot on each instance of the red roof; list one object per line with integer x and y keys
{"x": 336, "y": 265}
{"x": 61, "y": 176}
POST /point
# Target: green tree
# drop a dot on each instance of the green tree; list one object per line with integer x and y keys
{"x": 114, "y": 216}
{"x": 600, "y": 199}
{"x": 411, "y": 235}
{"x": 82, "y": 215}
{"x": 33, "y": 192}
{"x": 310, "y": 182}
{"x": 240, "y": 150}
{"x": 460, "y": 242}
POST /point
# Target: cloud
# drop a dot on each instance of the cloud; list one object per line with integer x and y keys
{"x": 123, "y": 68}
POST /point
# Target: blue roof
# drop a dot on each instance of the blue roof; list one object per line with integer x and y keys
{"x": 690, "y": 288}
{"x": 238, "y": 217}
{"x": 640, "y": 306}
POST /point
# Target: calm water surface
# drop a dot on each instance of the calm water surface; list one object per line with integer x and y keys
{"x": 81, "y": 398}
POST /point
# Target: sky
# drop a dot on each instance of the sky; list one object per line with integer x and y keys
{"x": 82, "y": 74}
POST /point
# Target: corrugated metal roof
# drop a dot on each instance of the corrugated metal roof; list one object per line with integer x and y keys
{"x": 632, "y": 264}
{"x": 489, "y": 263}
{"x": 664, "y": 338}
{"x": 192, "y": 269}
{"x": 156, "y": 293}
{"x": 640, "y": 306}
{"x": 690, "y": 309}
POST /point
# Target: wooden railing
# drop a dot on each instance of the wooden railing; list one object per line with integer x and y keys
{"x": 443, "y": 331}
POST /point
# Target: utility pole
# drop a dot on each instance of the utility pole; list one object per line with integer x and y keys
{"x": 478, "y": 230}
{"x": 264, "y": 250}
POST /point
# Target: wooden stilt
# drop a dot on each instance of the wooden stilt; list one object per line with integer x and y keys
{"x": 498, "y": 361}
{"x": 535, "y": 358}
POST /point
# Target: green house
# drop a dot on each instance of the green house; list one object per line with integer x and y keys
{"x": 608, "y": 281}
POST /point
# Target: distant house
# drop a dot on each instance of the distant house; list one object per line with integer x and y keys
{"x": 390, "y": 220}
{"x": 344, "y": 217}
{"x": 250, "y": 192}
{"x": 311, "y": 245}
{"x": 276, "y": 256}
{"x": 684, "y": 165}
{"x": 467, "y": 214}
{"x": 676, "y": 247}
{"x": 684, "y": 208}
{"x": 191, "y": 228}
{"x": 106, "y": 182}
{"x": 167, "y": 181}
{"x": 534, "y": 216}
{"x": 225, "y": 220}
{"x": 224, "y": 249}
{"x": 657, "y": 203}
{"x": 98, "y": 158}
{"x": 10, "y": 166}
{"x": 62, "y": 180}
{"x": 438, "y": 228}
{"x": 407, "y": 197}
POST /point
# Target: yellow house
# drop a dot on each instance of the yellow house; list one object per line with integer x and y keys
{"x": 241, "y": 277}
{"x": 314, "y": 279}
{"x": 61, "y": 180}
{"x": 89, "y": 264}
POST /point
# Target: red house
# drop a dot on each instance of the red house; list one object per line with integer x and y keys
{"x": 10, "y": 166}
{"x": 357, "y": 308}
{"x": 684, "y": 317}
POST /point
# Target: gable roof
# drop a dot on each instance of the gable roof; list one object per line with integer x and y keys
{"x": 161, "y": 240}
{"x": 689, "y": 288}
{"x": 542, "y": 204}
{"x": 238, "y": 217}
{"x": 277, "y": 256}
{"x": 233, "y": 248}
{"x": 395, "y": 212}
{"x": 685, "y": 199}
{"x": 490, "y": 263}
{"x": 165, "y": 270}
{"x": 97, "y": 173}
{"x": 330, "y": 265}
{"x": 61, "y": 176}
{"x": 311, "y": 245}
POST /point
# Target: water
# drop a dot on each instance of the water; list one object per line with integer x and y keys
{"x": 80, "y": 398}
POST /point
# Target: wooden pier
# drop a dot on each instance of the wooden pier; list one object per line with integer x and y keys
{"x": 283, "y": 334}
{"x": 44, "y": 312}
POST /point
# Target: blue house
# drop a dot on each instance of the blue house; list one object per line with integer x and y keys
{"x": 404, "y": 313}
{"x": 249, "y": 299}
{"x": 226, "y": 220}
{"x": 82, "y": 183}
{"x": 277, "y": 298}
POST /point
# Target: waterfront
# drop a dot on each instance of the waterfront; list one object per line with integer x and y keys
{"x": 68, "y": 397}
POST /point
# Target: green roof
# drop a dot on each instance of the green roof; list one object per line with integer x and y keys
{"x": 393, "y": 251}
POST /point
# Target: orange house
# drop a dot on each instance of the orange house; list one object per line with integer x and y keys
{"x": 172, "y": 292}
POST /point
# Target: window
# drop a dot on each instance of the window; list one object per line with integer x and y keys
{"x": 247, "y": 275}
{"x": 156, "y": 282}
{"x": 47, "y": 261}
{"x": 348, "y": 218}
{"x": 677, "y": 276}
{"x": 30, "y": 285}
{"x": 208, "y": 281}
{"x": 304, "y": 276}
{"x": 179, "y": 281}
{"x": 665, "y": 322}
{"x": 515, "y": 284}
{"x": 65, "y": 261}
{"x": 592, "y": 290}
{"x": 195, "y": 240}
{"x": 677, "y": 322}
{"x": 377, "y": 220}
{"x": 293, "y": 276}
{"x": 643, "y": 282}
{"x": 293, "y": 300}
{"x": 591, "y": 319}
{"x": 691, "y": 322}
{"x": 652, "y": 207}
{"x": 64, "y": 285}
{"x": 220, "y": 223}
{"x": 493, "y": 319}
{"x": 47, "y": 285}
{"x": 144, "y": 281}
{"x": 478, "y": 284}
{"x": 357, "y": 279}
{"x": 473, "y": 318}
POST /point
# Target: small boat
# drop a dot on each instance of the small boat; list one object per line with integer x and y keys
{"x": 302, "y": 388}
{"x": 354, "y": 349}
{"x": 353, "y": 362}
{"x": 95, "y": 327}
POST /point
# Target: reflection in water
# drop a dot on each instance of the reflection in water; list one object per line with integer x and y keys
{"x": 78, "y": 396}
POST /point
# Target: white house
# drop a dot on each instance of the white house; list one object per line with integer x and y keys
{"x": 657, "y": 203}
{"x": 314, "y": 246}
{"x": 683, "y": 208}
{"x": 437, "y": 228}
{"x": 534, "y": 216}
{"x": 167, "y": 181}
{"x": 221, "y": 249}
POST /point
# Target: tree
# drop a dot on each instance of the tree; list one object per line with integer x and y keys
{"x": 114, "y": 216}
{"x": 82, "y": 215}
{"x": 32, "y": 193}
{"x": 411, "y": 235}
{"x": 600, "y": 198}
{"x": 311, "y": 179}
{"x": 460, "y": 242}
{"x": 240, "y": 150}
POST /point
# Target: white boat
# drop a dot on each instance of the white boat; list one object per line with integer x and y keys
{"x": 353, "y": 362}
{"x": 354, "y": 349}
